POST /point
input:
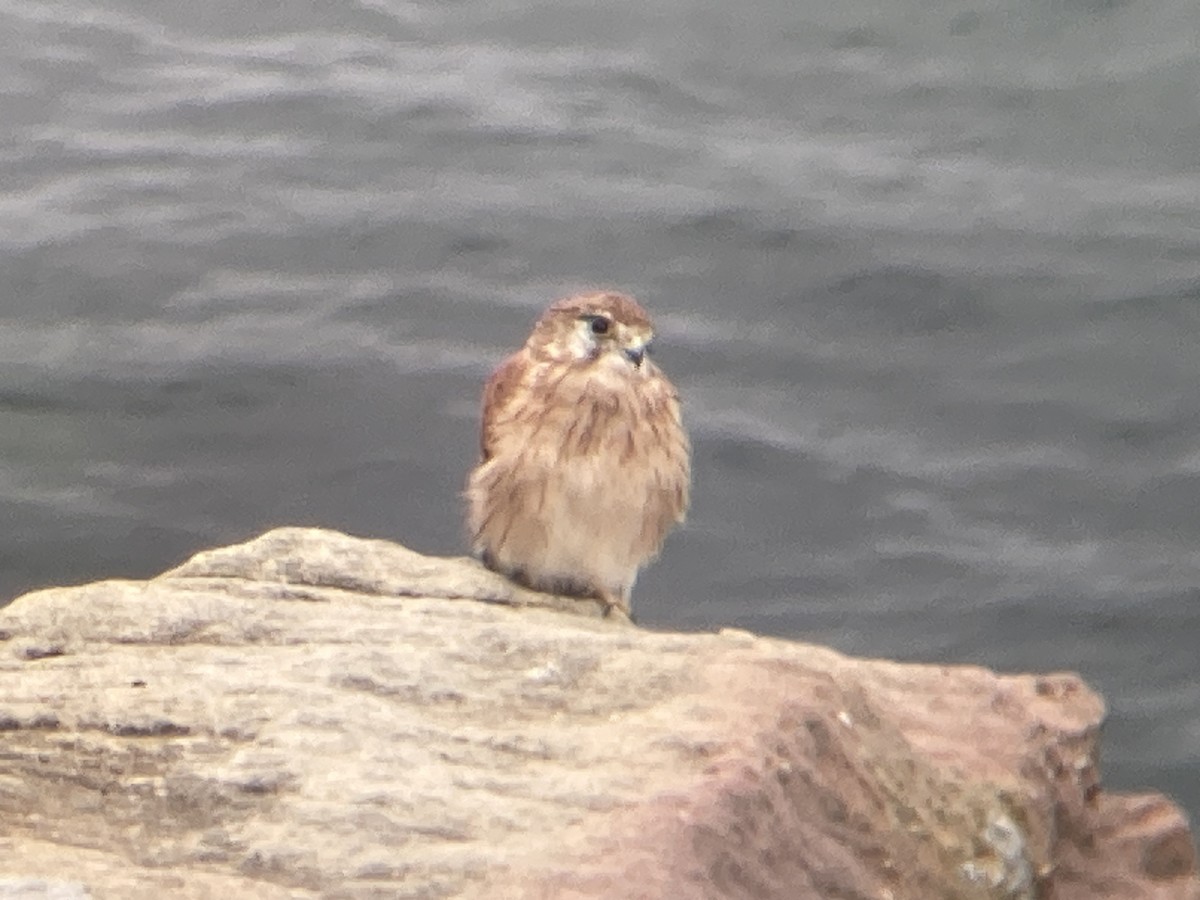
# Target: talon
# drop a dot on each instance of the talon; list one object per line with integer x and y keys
{"x": 614, "y": 602}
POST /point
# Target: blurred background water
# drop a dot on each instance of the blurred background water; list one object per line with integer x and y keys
{"x": 926, "y": 273}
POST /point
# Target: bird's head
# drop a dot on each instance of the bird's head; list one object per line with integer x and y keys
{"x": 603, "y": 327}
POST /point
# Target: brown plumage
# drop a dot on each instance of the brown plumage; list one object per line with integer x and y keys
{"x": 584, "y": 461}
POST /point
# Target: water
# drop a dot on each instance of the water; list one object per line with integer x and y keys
{"x": 926, "y": 274}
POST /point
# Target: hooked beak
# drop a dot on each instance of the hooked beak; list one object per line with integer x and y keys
{"x": 635, "y": 355}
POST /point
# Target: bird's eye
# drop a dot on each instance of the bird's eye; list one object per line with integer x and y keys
{"x": 600, "y": 325}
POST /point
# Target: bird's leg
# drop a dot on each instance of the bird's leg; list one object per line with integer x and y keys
{"x": 615, "y": 601}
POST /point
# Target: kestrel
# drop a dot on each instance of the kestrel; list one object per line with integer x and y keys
{"x": 585, "y": 463}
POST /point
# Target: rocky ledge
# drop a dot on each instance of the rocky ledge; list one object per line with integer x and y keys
{"x": 316, "y": 715}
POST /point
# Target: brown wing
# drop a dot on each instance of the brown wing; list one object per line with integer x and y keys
{"x": 496, "y": 394}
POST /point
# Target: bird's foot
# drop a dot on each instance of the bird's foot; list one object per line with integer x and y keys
{"x": 615, "y": 605}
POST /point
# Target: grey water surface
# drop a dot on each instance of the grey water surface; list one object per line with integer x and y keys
{"x": 927, "y": 275}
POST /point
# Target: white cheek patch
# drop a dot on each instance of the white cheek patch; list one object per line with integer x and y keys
{"x": 582, "y": 343}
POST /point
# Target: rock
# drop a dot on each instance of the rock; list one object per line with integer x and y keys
{"x": 315, "y": 715}
{"x": 38, "y": 889}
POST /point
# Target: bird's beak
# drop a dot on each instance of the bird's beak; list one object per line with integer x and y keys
{"x": 636, "y": 351}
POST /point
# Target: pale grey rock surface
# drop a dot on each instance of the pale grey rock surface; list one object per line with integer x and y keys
{"x": 315, "y": 715}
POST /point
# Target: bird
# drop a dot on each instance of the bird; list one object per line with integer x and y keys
{"x": 585, "y": 464}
